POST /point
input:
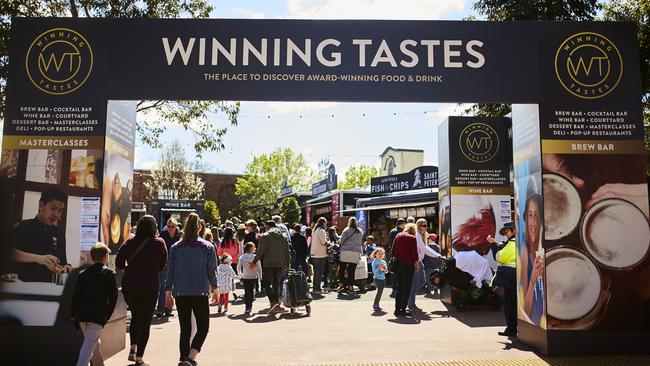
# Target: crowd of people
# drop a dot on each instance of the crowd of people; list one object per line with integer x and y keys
{"x": 192, "y": 268}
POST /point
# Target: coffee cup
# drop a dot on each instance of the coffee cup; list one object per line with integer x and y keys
{"x": 615, "y": 233}
{"x": 573, "y": 283}
{"x": 562, "y": 207}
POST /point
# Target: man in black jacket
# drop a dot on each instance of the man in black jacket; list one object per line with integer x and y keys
{"x": 93, "y": 302}
{"x": 299, "y": 243}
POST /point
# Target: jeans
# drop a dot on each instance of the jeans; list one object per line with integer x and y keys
{"x": 348, "y": 269}
{"x": 142, "y": 305}
{"x": 90, "y": 349}
{"x": 403, "y": 277}
{"x": 380, "y": 289}
{"x": 301, "y": 264}
{"x": 161, "y": 291}
{"x": 319, "y": 270}
{"x": 272, "y": 283}
{"x": 186, "y": 306}
{"x": 510, "y": 308}
{"x": 249, "y": 286}
{"x": 416, "y": 284}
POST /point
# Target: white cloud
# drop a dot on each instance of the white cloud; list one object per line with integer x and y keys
{"x": 374, "y": 9}
{"x": 247, "y": 14}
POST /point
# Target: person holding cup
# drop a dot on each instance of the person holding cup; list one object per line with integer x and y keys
{"x": 532, "y": 260}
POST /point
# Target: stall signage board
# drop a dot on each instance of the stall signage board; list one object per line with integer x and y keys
{"x": 418, "y": 178}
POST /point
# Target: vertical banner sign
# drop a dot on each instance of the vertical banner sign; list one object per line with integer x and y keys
{"x": 118, "y": 173}
{"x": 478, "y": 177}
{"x": 336, "y": 207}
{"x": 582, "y": 193}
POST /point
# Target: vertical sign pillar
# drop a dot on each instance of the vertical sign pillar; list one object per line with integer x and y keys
{"x": 474, "y": 180}
{"x": 582, "y": 197}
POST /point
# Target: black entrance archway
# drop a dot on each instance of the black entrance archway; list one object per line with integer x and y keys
{"x": 574, "y": 89}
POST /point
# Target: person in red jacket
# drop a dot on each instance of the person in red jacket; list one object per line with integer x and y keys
{"x": 405, "y": 252}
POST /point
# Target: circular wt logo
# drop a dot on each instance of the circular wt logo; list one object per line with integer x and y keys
{"x": 479, "y": 142}
{"x": 588, "y": 65}
{"x": 59, "y": 61}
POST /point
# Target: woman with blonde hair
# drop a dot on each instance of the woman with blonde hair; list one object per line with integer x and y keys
{"x": 191, "y": 271}
{"x": 419, "y": 280}
{"x": 351, "y": 243}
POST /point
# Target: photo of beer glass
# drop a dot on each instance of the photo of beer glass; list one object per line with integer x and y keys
{"x": 562, "y": 207}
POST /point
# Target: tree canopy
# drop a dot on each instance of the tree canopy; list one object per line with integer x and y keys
{"x": 174, "y": 177}
{"x": 358, "y": 177}
{"x": 261, "y": 185}
{"x": 193, "y": 116}
{"x": 290, "y": 211}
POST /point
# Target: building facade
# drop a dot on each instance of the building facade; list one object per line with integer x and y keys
{"x": 219, "y": 187}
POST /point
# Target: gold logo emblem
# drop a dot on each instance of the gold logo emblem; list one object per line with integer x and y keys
{"x": 479, "y": 142}
{"x": 59, "y": 61}
{"x": 588, "y": 65}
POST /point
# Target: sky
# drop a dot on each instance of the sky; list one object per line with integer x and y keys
{"x": 347, "y": 133}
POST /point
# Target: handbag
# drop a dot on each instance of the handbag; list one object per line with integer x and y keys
{"x": 350, "y": 257}
{"x": 392, "y": 265}
{"x": 361, "y": 271}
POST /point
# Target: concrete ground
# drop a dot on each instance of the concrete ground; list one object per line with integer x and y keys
{"x": 341, "y": 329}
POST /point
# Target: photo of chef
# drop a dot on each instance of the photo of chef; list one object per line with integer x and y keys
{"x": 39, "y": 243}
{"x": 116, "y": 201}
{"x": 600, "y": 239}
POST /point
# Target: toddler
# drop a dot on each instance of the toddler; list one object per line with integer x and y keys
{"x": 225, "y": 281}
{"x": 379, "y": 269}
{"x": 249, "y": 277}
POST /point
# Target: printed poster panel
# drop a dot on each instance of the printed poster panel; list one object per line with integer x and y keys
{"x": 118, "y": 173}
{"x": 529, "y": 217}
{"x": 595, "y": 191}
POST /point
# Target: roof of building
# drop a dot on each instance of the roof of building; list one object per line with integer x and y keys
{"x": 399, "y": 149}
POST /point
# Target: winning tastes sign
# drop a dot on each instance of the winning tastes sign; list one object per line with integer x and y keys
{"x": 418, "y": 178}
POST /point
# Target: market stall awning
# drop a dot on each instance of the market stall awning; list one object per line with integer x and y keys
{"x": 388, "y": 207}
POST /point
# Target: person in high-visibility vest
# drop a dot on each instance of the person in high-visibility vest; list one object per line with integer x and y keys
{"x": 506, "y": 276}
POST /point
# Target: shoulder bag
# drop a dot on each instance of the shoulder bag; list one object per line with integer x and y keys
{"x": 137, "y": 251}
{"x": 348, "y": 256}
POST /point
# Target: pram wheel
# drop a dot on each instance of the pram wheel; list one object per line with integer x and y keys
{"x": 494, "y": 302}
{"x": 460, "y": 305}
{"x": 437, "y": 279}
{"x": 308, "y": 309}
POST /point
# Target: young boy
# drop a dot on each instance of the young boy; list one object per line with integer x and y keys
{"x": 248, "y": 276}
{"x": 93, "y": 302}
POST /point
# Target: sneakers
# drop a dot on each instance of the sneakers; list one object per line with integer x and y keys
{"x": 218, "y": 309}
{"x": 376, "y": 307}
{"x": 132, "y": 355}
{"x": 248, "y": 311}
{"x": 274, "y": 308}
{"x": 188, "y": 362}
{"x": 225, "y": 309}
{"x": 414, "y": 308}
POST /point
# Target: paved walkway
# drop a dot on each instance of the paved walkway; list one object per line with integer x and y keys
{"x": 342, "y": 329}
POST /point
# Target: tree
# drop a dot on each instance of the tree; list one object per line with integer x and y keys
{"x": 174, "y": 178}
{"x": 290, "y": 210}
{"x": 638, "y": 12}
{"x": 260, "y": 187}
{"x": 193, "y": 116}
{"x": 502, "y": 10}
{"x": 358, "y": 177}
{"x": 211, "y": 212}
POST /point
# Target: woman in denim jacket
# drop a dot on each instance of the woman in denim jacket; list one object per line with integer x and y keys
{"x": 190, "y": 274}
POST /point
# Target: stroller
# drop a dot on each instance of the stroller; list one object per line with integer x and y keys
{"x": 295, "y": 292}
{"x": 464, "y": 291}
